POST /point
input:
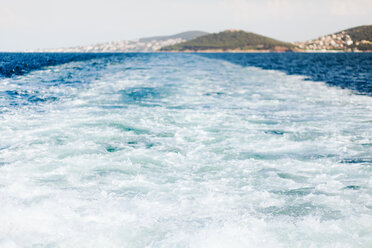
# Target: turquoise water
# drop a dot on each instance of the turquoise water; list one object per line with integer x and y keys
{"x": 181, "y": 150}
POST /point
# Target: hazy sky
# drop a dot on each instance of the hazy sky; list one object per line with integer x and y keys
{"x": 30, "y": 24}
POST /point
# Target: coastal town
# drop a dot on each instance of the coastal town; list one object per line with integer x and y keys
{"x": 338, "y": 41}
{"x": 121, "y": 46}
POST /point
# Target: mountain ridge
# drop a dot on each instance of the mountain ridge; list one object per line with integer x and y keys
{"x": 188, "y": 35}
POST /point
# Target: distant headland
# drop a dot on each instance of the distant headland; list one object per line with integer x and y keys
{"x": 357, "y": 39}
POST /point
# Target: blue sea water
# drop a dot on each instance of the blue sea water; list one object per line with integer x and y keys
{"x": 346, "y": 70}
{"x": 185, "y": 150}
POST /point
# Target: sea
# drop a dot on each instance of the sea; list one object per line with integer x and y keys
{"x": 186, "y": 150}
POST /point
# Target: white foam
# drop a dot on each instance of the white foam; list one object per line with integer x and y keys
{"x": 217, "y": 156}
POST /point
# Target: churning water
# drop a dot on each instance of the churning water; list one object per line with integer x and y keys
{"x": 182, "y": 150}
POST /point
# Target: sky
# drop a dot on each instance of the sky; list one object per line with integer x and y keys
{"x": 33, "y": 24}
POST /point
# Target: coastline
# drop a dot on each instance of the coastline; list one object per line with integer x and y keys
{"x": 261, "y": 51}
{"x": 200, "y": 51}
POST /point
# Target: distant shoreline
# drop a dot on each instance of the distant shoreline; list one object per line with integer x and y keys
{"x": 262, "y": 51}
{"x": 203, "y": 51}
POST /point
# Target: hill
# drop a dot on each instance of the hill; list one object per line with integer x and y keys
{"x": 361, "y": 37}
{"x": 230, "y": 40}
{"x": 184, "y": 36}
{"x": 353, "y": 39}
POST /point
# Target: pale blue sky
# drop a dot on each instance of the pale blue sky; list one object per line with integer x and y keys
{"x": 31, "y": 24}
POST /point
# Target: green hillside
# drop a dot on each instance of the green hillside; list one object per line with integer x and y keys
{"x": 361, "y": 36}
{"x": 230, "y": 40}
{"x": 360, "y": 33}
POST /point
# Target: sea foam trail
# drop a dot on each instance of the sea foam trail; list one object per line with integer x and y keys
{"x": 177, "y": 150}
